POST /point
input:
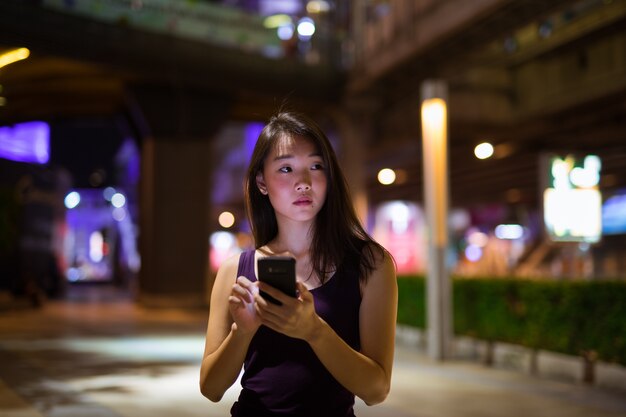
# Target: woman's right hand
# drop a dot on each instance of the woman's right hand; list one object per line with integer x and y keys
{"x": 241, "y": 305}
{"x": 231, "y": 327}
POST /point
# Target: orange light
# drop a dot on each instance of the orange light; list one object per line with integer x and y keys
{"x": 13, "y": 55}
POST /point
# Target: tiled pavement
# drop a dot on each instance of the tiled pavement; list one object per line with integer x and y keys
{"x": 105, "y": 356}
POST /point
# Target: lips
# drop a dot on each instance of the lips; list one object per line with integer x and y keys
{"x": 303, "y": 201}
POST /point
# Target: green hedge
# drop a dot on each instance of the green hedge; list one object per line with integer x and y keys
{"x": 572, "y": 317}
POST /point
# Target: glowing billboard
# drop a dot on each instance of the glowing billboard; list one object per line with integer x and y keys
{"x": 399, "y": 226}
{"x": 26, "y": 142}
{"x": 572, "y": 203}
{"x": 614, "y": 215}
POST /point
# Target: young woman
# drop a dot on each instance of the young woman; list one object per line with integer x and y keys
{"x": 311, "y": 355}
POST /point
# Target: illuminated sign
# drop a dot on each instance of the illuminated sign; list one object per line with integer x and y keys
{"x": 572, "y": 202}
{"x": 614, "y": 215}
{"x": 399, "y": 227}
{"x": 26, "y": 142}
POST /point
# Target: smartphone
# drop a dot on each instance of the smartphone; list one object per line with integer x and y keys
{"x": 280, "y": 273}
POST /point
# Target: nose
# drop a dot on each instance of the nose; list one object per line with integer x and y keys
{"x": 303, "y": 183}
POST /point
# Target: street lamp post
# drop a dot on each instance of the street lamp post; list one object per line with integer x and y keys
{"x": 435, "y": 162}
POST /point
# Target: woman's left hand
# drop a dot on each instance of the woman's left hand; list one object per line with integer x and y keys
{"x": 296, "y": 317}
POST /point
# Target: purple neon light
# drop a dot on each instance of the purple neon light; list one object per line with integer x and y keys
{"x": 26, "y": 142}
{"x": 614, "y": 215}
{"x": 252, "y": 132}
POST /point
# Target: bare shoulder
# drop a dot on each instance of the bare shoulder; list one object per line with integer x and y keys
{"x": 230, "y": 265}
{"x": 227, "y": 274}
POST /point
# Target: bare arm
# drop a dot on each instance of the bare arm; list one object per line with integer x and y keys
{"x": 367, "y": 373}
{"x": 226, "y": 341}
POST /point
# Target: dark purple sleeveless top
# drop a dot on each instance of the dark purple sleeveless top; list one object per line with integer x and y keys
{"x": 282, "y": 376}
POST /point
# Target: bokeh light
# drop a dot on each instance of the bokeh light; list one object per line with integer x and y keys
{"x": 118, "y": 200}
{"x": 306, "y": 28}
{"x": 226, "y": 219}
{"x": 483, "y": 150}
{"x": 72, "y": 200}
{"x": 386, "y": 176}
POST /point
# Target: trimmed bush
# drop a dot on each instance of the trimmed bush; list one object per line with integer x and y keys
{"x": 571, "y": 317}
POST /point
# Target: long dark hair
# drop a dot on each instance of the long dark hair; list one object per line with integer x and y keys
{"x": 338, "y": 236}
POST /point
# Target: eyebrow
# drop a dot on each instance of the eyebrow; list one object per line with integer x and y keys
{"x": 287, "y": 156}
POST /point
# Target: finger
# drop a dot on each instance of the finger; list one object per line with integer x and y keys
{"x": 234, "y": 300}
{"x": 274, "y": 292}
{"x": 269, "y": 319}
{"x": 305, "y": 294}
{"x": 242, "y": 293}
{"x": 249, "y": 286}
{"x": 244, "y": 282}
{"x": 264, "y": 306}
{"x": 266, "y": 309}
{"x": 260, "y": 301}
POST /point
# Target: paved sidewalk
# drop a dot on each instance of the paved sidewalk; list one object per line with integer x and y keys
{"x": 110, "y": 358}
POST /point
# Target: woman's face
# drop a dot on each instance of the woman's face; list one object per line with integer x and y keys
{"x": 294, "y": 178}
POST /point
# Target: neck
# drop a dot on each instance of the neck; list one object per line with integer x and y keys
{"x": 293, "y": 238}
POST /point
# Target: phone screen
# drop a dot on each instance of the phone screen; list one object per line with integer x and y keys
{"x": 280, "y": 273}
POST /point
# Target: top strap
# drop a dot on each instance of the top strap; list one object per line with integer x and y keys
{"x": 246, "y": 265}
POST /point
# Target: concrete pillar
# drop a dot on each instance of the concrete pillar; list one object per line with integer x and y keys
{"x": 174, "y": 202}
{"x": 353, "y": 158}
{"x": 177, "y": 129}
{"x": 435, "y": 161}
{"x": 355, "y": 133}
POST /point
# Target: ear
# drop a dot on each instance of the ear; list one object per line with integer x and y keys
{"x": 260, "y": 183}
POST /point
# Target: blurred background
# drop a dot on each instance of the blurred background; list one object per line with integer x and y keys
{"x": 126, "y": 127}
